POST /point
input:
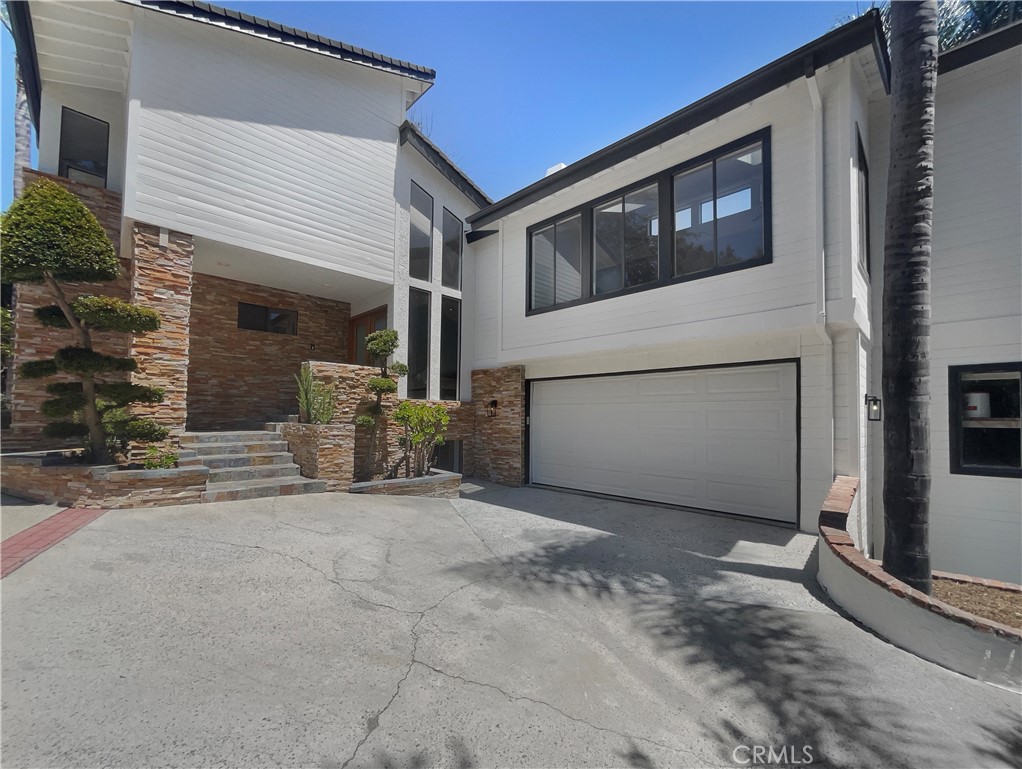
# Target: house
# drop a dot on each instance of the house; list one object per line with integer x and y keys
{"x": 689, "y": 316}
{"x": 697, "y": 307}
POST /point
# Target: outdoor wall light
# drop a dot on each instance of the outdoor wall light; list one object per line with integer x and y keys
{"x": 493, "y": 408}
{"x": 874, "y": 408}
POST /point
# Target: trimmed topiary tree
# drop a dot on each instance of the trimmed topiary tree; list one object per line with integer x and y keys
{"x": 380, "y": 345}
{"x": 50, "y": 236}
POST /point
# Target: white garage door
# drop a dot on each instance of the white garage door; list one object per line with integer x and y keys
{"x": 719, "y": 439}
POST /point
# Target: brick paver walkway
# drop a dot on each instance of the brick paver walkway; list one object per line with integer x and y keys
{"x": 18, "y": 550}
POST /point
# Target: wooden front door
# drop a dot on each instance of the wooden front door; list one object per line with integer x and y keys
{"x": 362, "y": 326}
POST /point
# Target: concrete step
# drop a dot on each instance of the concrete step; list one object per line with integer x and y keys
{"x": 248, "y": 447}
{"x": 190, "y": 440}
{"x": 261, "y": 487}
{"x": 213, "y": 461}
{"x": 226, "y": 474}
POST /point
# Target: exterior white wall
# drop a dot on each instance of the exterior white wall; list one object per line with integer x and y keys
{"x": 108, "y": 106}
{"x": 262, "y": 146}
{"x": 976, "y": 282}
{"x": 412, "y": 166}
{"x": 971, "y": 652}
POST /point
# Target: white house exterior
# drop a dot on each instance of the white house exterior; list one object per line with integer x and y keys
{"x": 690, "y": 316}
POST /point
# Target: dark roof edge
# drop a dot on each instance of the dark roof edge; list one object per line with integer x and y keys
{"x": 865, "y": 31}
{"x": 980, "y": 48}
{"x": 410, "y": 134}
{"x": 28, "y": 61}
{"x": 194, "y": 9}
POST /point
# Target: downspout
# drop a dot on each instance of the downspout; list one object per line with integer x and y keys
{"x": 818, "y": 189}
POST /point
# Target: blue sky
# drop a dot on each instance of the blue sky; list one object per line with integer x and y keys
{"x": 523, "y": 86}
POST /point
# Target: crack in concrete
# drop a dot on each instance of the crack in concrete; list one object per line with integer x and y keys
{"x": 482, "y": 541}
{"x": 306, "y": 528}
{"x": 517, "y": 697}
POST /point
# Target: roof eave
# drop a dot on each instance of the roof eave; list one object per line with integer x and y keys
{"x": 411, "y": 135}
{"x": 27, "y": 58}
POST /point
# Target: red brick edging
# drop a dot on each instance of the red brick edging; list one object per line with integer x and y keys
{"x": 833, "y": 531}
{"x": 21, "y": 548}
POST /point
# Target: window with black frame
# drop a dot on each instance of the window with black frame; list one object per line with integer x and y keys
{"x": 84, "y": 148}
{"x": 418, "y": 344}
{"x": 450, "y": 341}
{"x": 556, "y": 252}
{"x": 626, "y": 241}
{"x": 862, "y": 199}
{"x": 450, "y": 262}
{"x": 719, "y": 213}
{"x": 986, "y": 420}
{"x": 420, "y": 234}
{"x": 273, "y": 320}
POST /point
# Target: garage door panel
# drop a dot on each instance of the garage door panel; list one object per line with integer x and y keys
{"x": 718, "y": 439}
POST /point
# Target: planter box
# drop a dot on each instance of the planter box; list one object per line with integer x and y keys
{"x": 55, "y": 478}
{"x": 439, "y": 483}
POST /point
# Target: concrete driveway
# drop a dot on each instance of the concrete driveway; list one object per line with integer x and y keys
{"x": 509, "y": 628}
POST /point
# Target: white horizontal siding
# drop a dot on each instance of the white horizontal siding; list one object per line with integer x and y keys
{"x": 253, "y": 144}
{"x": 766, "y": 298}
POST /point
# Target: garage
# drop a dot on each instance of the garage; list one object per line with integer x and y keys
{"x": 721, "y": 439}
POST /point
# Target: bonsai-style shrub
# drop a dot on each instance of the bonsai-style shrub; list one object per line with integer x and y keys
{"x": 380, "y": 345}
{"x": 424, "y": 425}
{"x": 316, "y": 401}
{"x": 49, "y": 236}
{"x": 159, "y": 460}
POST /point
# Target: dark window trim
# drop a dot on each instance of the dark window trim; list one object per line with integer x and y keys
{"x": 429, "y": 336}
{"x": 670, "y": 370}
{"x": 268, "y": 311}
{"x": 461, "y": 247}
{"x": 954, "y": 390}
{"x": 863, "y": 162}
{"x": 662, "y": 179}
{"x": 61, "y": 166}
{"x": 432, "y": 224}
{"x": 457, "y": 380}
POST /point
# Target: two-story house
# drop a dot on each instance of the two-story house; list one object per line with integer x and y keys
{"x": 689, "y": 317}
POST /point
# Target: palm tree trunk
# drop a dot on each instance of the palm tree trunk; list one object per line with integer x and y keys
{"x": 22, "y": 134}
{"x": 906, "y": 302}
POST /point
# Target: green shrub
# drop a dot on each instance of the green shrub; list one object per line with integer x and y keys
{"x": 65, "y": 430}
{"x": 424, "y": 425}
{"x": 381, "y": 385}
{"x": 38, "y": 369}
{"x": 48, "y": 230}
{"x": 107, "y": 313}
{"x": 51, "y": 316}
{"x": 382, "y": 344}
{"x": 316, "y": 401}
{"x": 82, "y": 360}
{"x": 155, "y": 459}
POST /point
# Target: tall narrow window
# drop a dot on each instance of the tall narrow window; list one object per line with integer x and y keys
{"x": 556, "y": 263}
{"x": 84, "y": 146}
{"x": 626, "y": 241}
{"x": 450, "y": 343}
{"x": 862, "y": 174}
{"x": 420, "y": 236}
{"x": 450, "y": 269}
{"x": 418, "y": 343}
{"x": 719, "y": 213}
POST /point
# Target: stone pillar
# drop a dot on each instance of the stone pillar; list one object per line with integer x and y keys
{"x": 161, "y": 278}
{"x": 498, "y": 448}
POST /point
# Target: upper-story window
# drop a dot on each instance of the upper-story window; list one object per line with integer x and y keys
{"x": 420, "y": 235}
{"x": 450, "y": 267}
{"x": 84, "y": 148}
{"x": 614, "y": 245}
{"x": 862, "y": 195}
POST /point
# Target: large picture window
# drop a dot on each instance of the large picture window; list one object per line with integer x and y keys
{"x": 450, "y": 268}
{"x": 84, "y": 148}
{"x": 420, "y": 235}
{"x": 418, "y": 344}
{"x": 557, "y": 263}
{"x": 986, "y": 421}
{"x": 719, "y": 213}
{"x": 450, "y": 343}
{"x": 626, "y": 242}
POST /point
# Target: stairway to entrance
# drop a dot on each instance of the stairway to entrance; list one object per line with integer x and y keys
{"x": 245, "y": 464}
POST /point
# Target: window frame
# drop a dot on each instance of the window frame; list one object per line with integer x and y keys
{"x": 62, "y": 168}
{"x": 429, "y": 340}
{"x": 955, "y": 433}
{"x": 863, "y": 225}
{"x": 457, "y": 350}
{"x": 443, "y": 246}
{"x": 432, "y": 226}
{"x": 665, "y": 186}
{"x": 267, "y": 310}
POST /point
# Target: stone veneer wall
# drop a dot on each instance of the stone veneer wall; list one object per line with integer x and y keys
{"x": 499, "y": 441}
{"x": 107, "y": 487}
{"x": 438, "y": 485}
{"x": 324, "y": 452}
{"x": 161, "y": 278}
{"x": 238, "y": 377}
{"x": 349, "y": 383}
{"x": 33, "y": 341}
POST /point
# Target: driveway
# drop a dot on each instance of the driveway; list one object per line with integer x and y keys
{"x": 513, "y": 627}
